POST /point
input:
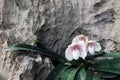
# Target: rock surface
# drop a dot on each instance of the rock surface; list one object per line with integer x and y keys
{"x": 64, "y": 19}
{"x": 56, "y": 22}
{"x": 26, "y": 66}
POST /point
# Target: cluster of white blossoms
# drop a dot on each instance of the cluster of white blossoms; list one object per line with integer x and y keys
{"x": 80, "y": 46}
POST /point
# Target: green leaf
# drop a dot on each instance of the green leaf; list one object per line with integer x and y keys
{"x": 69, "y": 74}
{"x": 38, "y": 44}
{"x": 77, "y": 77}
{"x": 76, "y": 62}
{"x": 107, "y": 65}
{"x": 108, "y": 75}
{"x": 55, "y": 73}
{"x": 96, "y": 76}
{"x": 81, "y": 74}
{"x": 27, "y": 47}
{"x": 89, "y": 75}
{"x": 113, "y": 55}
{"x": 65, "y": 74}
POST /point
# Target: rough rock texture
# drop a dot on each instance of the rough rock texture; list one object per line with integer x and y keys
{"x": 19, "y": 65}
{"x": 97, "y": 19}
{"x": 26, "y": 66}
{"x": 56, "y": 22}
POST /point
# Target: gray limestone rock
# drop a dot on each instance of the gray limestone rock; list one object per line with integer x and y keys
{"x": 56, "y": 22}
{"x": 25, "y": 66}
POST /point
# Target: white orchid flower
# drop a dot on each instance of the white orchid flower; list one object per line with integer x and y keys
{"x": 93, "y": 46}
{"x": 80, "y": 46}
{"x": 80, "y": 39}
{"x": 74, "y": 51}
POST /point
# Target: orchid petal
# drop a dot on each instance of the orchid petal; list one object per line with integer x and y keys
{"x": 68, "y": 54}
{"x": 91, "y": 49}
{"x": 97, "y": 47}
{"x": 80, "y": 39}
{"x": 76, "y": 54}
{"x": 79, "y": 50}
{"x": 74, "y": 51}
{"x": 83, "y": 52}
{"x": 93, "y": 46}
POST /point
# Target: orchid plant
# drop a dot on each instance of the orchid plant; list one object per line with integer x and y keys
{"x": 80, "y": 47}
{"x": 84, "y": 60}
